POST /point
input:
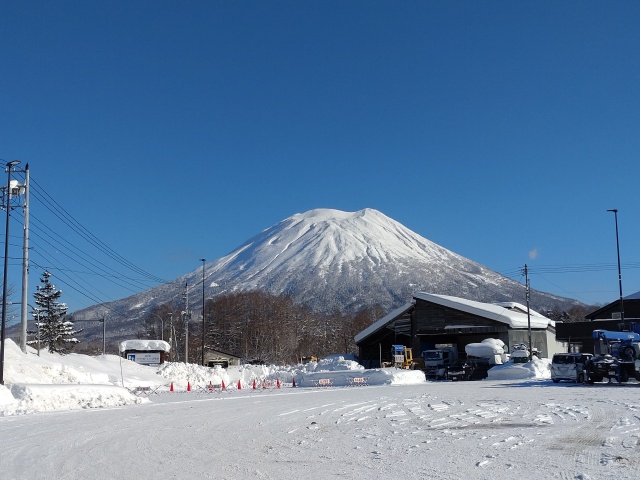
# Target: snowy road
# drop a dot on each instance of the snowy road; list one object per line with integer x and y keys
{"x": 488, "y": 429}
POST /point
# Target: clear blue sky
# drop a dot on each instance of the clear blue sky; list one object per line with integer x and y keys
{"x": 174, "y": 131}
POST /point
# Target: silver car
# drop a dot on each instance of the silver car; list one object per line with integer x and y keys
{"x": 569, "y": 366}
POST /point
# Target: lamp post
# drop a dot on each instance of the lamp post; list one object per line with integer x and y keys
{"x": 615, "y": 213}
{"x": 159, "y": 317}
{"x": 203, "y": 260}
{"x": 7, "y": 206}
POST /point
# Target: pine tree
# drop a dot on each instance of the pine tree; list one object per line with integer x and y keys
{"x": 56, "y": 333}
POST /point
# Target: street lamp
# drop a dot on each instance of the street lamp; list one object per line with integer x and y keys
{"x": 161, "y": 323}
{"x": 615, "y": 213}
{"x": 7, "y": 206}
{"x": 203, "y": 260}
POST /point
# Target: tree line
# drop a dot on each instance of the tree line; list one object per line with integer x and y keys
{"x": 250, "y": 325}
{"x": 259, "y": 326}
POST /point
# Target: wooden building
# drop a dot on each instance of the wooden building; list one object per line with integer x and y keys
{"x": 145, "y": 352}
{"x": 431, "y": 320}
{"x": 223, "y": 359}
{"x": 579, "y": 335}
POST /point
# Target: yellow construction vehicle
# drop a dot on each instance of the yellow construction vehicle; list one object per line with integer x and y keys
{"x": 401, "y": 357}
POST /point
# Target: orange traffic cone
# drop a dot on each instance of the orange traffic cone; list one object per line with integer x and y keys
{"x": 224, "y": 387}
{"x": 239, "y": 385}
{"x": 171, "y": 387}
{"x": 188, "y": 386}
{"x": 294, "y": 382}
{"x": 254, "y": 383}
{"x": 278, "y": 383}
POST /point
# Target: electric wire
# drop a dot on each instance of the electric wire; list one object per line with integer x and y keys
{"x": 47, "y": 239}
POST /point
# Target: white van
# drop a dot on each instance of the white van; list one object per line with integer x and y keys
{"x": 569, "y": 366}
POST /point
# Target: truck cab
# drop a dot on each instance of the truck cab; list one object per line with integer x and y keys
{"x": 438, "y": 360}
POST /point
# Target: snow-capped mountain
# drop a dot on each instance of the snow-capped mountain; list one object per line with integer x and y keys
{"x": 330, "y": 259}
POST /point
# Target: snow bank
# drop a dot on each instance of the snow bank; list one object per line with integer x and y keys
{"x": 145, "y": 345}
{"x": 65, "y": 382}
{"x": 538, "y": 368}
{"x": 42, "y": 398}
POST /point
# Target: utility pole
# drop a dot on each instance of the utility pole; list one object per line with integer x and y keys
{"x": 615, "y": 213}
{"x": 173, "y": 354}
{"x": 7, "y": 205}
{"x": 526, "y": 276}
{"x": 187, "y": 315}
{"x": 25, "y": 263}
{"x": 104, "y": 334}
{"x": 203, "y": 326}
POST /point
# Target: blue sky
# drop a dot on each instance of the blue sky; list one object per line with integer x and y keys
{"x": 174, "y": 131}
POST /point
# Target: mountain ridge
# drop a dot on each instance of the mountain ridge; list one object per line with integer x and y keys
{"x": 330, "y": 259}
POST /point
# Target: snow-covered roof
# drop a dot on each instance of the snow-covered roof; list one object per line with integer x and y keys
{"x": 518, "y": 307}
{"x": 512, "y": 314}
{"x": 512, "y": 317}
{"x": 145, "y": 345}
{"x": 374, "y": 327}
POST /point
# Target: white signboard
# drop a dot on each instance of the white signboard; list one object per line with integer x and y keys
{"x": 144, "y": 358}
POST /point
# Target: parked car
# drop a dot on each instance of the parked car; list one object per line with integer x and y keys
{"x": 569, "y": 366}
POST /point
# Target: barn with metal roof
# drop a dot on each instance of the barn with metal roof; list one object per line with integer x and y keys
{"x": 430, "y": 320}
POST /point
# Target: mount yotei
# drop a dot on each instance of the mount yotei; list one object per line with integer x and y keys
{"x": 329, "y": 259}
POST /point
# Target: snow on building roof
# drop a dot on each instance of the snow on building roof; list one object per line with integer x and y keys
{"x": 374, "y": 327}
{"x": 518, "y": 307}
{"x": 145, "y": 345}
{"x": 511, "y": 316}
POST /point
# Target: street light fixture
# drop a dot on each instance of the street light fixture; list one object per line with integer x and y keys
{"x": 7, "y": 206}
{"x": 203, "y": 260}
{"x": 615, "y": 213}
{"x": 159, "y": 317}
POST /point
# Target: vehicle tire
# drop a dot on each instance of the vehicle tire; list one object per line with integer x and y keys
{"x": 624, "y": 376}
{"x": 581, "y": 378}
{"x": 629, "y": 352}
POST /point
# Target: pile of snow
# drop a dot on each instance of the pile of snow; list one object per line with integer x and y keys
{"x": 485, "y": 349}
{"x": 537, "y": 368}
{"x": 49, "y": 381}
{"x": 145, "y": 345}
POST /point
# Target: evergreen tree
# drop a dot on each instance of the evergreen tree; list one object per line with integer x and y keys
{"x": 56, "y": 333}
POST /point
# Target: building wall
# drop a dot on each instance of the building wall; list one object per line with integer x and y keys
{"x": 428, "y": 322}
{"x": 220, "y": 357}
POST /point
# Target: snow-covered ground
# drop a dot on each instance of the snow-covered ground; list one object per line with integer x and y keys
{"x": 69, "y": 417}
